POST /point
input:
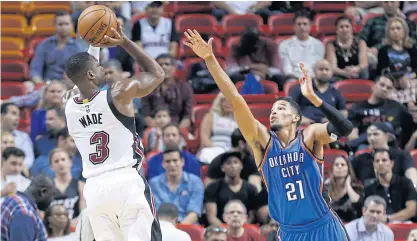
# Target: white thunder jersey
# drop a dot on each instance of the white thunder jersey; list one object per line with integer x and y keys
{"x": 106, "y": 139}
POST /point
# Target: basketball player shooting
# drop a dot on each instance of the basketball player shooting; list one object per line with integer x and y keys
{"x": 289, "y": 159}
{"x": 102, "y": 123}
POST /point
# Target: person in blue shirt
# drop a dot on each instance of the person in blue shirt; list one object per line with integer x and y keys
{"x": 290, "y": 160}
{"x": 55, "y": 121}
{"x": 179, "y": 187}
{"x": 19, "y": 212}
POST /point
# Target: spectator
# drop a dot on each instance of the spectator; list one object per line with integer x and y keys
{"x": 379, "y": 135}
{"x": 69, "y": 190}
{"x": 171, "y": 137}
{"x": 398, "y": 192}
{"x": 183, "y": 189}
{"x": 10, "y": 117}
{"x": 235, "y": 215}
{"x": 215, "y": 233}
{"x": 7, "y": 140}
{"x": 378, "y": 108}
{"x": 399, "y": 49}
{"x": 344, "y": 190}
{"x": 241, "y": 7}
{"x": 231, "y": 187}
{"x": 161, "y": 118}
{"x": 168, "y": 218}
{"x": 216, "y": 129}
{"x": 139, "y": 7}
{"x": 322, "y": 88}
{"x": 270, "y": 230}
{"x": 52, "y": 53}
{"x": 362, "y": 8}
{"x": 347, "y": 57}
{"x": 412, "y": 140}
{"x": 412, "y": 235}
{"x": 174, "y": 94}
{"x": 57, "y": 224}
{"x": 50, "y": 98}
{"x": 373, "y": 32}
{"x": 19, "y": 212}
{"x": 55, "y": 121}
{"x": 65, "y": 142}
{"x": 156, "y": 34}
{"x": 409, "y": 8}
{"x": 405, "y": 83}
{"x": 254, "y": 54}
{"x": 300, "y": 48}
{"x": 369, "y": 227}
{"x": 12, "y": 179}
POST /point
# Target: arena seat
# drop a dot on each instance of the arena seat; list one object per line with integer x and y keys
{"x": 203, "y": 23}
{"x": 326, "y": 6}
{"x": 278, "y": 40}
{"x": 42, "y": 25}
{"x": 402, "y": 229}
{"x": 198, "y": 113}
{"x": 355, "y": 90}
{"x": 40, "y": 7}
{"x": 12, "y": 88}
{"x": 185, "y": 51}
{"x": 362, "y": 151}
{"x": 200, "y": 99}
{"x": 327, "y": 39}
{"x": 235, "y": 24}
{"x": 204, "y": 172}
{"x": 12, "y": 48}
{"x": 413, "y": 17}
{"x": 331, "y": 154}
{"x": 270, "y": 87}
{"x": 195, "y": 231}
{"x": 13, "y": 7}
{"x": 289, "y": 86}
{"x": 13, "y": 25}
{"x": 31, "y": 49}
{"x": 281, "y": 24}
{"x": 25, "y": 118}
{"x": 261, "y": 112}
{"x": 14, "y": 70}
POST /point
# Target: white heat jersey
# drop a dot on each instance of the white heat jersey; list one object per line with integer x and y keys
{"x": 106, "y": 139}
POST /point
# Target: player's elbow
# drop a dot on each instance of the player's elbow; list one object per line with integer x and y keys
{"x": 344, "y": 128}
{"x": 348, "y": 128}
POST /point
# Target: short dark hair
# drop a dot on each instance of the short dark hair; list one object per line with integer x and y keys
{"x": 12, "y": 151}
{"x": 170, "y": 150}
{"x": 171, "y": 125}
{"x": 112, "y": 63}
{"x": 59, "y": 112}
{"x": 60, "y": 14}
{"x": 168, "y": 210}
{"x": 161, "y": 108}
{"x": 303, "y": 13}
{"x": 236, "y": 137}
{"x": 78, "y": 65}
{"x": 381, "y": 150}
{"x": 63, "y": 132}
{"x": 293, "y": 105}
{"x": 5, "y": 107}
{"x": 376, "y": 199}
{"x": 341, "y": 18}
{"x": 166, "y": 56}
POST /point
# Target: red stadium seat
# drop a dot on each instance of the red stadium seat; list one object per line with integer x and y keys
{"x": 194, "y": 230}
{"x": 204, "y": 172}
{"x": 37, "y": 7}
{"x": 12, "y": 48}
{"x": 42, "y": 25}
{"x": 31, "y": 49}
{"x": 12, "y": 88}
{"x": 289, "y": 86}
{"x": 281, "y": 24}
{"x": 412, "y": 17}
{"x": 25, "y": 117}
{"x": 235, "y": 24}
{"x": 401, "y": 230}
{"x": 413, "y": 154}
{"x": 185, "y": 51}
{"x": 355, "y": 90}
{"x": 363, "y": 151}
{"x": 13, "y": 7}
{"x": 327, "y": 6}
{"x": 270, "y": 87}
{"x": 261, "y": 112}
{"x": 278, "y": 40}
{"x": 14, "y": 70}
{"x": 327, "y": 39}
{"x": 203, "y": 23}
{"x": 13, "y": 25}
{"x": 198, "y": 113}
{"x": 331, "y": 154}
{"x": 250, "y": 99}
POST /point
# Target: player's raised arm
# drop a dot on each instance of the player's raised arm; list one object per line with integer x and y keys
{"x": 338, "y": 124}
{"x": 144, "y": 83}
{"x": 249, "y": 126}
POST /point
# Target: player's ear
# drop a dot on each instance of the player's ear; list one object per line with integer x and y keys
{"x": 90, "y": 74}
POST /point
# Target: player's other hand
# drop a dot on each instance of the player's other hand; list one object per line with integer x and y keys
{"x": 118, "y": 39}
{"x": 306, "y": 83}
{"x": 198, "y": 45}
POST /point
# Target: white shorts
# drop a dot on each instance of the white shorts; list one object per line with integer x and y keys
{"x": 120, "y": 204}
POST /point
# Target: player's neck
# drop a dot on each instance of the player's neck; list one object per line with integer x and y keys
{"x": 88, "y": 92}
{"x": 237, "y": 233}
{"x": 286, "y": 136}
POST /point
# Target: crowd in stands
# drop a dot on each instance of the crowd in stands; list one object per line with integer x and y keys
{"x": 363, "y": 60}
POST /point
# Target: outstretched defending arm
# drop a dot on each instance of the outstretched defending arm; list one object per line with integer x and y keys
{"x": 249, "y": 126}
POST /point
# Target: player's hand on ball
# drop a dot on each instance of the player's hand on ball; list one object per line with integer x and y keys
{"x": 119, "y": 38}
{"x": 198, "y": 45}
{"x": 306, "y": 83}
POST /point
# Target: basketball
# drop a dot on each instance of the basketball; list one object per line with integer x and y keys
{"x": 95, "y": 22}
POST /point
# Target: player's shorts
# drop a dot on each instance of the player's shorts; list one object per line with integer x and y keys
{"x": 328, "y": 228}
{"x": 120, "y": 204}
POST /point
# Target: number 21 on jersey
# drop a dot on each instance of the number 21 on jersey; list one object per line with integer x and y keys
{"x": 291, "y": 190}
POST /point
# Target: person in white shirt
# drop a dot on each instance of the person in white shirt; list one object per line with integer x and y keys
{"x": 300, "y": 48}
{"x": 168, "y": 217}
{"x": 10, "y": 117}
{"x": 369, "y": 227}
{"x": 11, "y": 168}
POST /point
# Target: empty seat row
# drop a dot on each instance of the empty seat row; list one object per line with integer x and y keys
{"x": 35, "y": 7}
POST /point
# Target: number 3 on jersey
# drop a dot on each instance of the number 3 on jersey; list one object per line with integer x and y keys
{"x": 101, "y": 140}
{"x": 290, "y": 187}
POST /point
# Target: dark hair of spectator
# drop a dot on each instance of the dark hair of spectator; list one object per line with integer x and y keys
{"x": 166, "y": 56}
{"x": 293, "y": 105}
{"x": 60, "y": 14}
{"x": 170, "y": 150}
{"x": 12, "y": 151}
{"x": 161, "y": 108}
{"x": 168, "y": 210}
{"x": 112, "y": 63}
{"x": 5, "y": 107}
{"x": 59, "y": 112}
{"x": 304, "y": 13}
{"x": 236, "y": 137}
{"x": 382, "y": 150}
{"x": 78, "y": 65}
{"x": 54, "y": 151}
{"x": 342, "y": 18}
{"x": 171, "y": 125}
{"x": 48, "y": 213}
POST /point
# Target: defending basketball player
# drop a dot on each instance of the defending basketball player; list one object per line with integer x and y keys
{"x": 289, "y": 159}
{"x": 102, "y": 123}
